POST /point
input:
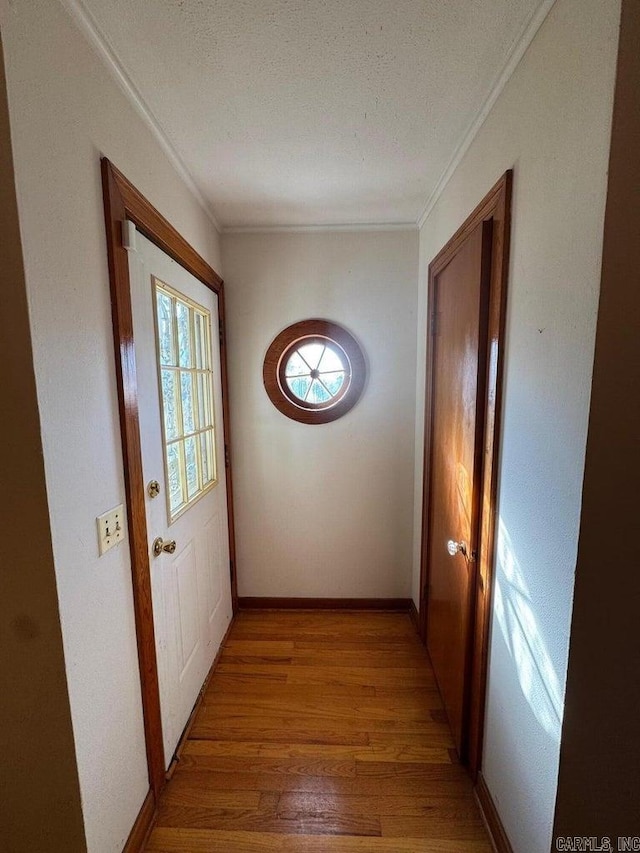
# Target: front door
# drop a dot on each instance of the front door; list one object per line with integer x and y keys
{"x": 175, "y": 320}
{"x": 460, "y": 295}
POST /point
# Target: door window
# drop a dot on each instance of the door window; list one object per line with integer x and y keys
{"x": 183, "y": 346}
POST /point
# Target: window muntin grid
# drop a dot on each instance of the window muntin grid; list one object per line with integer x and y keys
{"x": 185, "y": 378}
{"x": 315, "y": 372}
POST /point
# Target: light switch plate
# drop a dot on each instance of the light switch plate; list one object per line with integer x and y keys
{"x": 111, "y": 528}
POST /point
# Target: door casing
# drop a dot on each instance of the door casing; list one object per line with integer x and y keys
{"x": 123, "y": 201}
{"x": 495, "y": 207}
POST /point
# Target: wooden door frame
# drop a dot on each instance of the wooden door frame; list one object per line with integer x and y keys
{"x": 123, "y": 201}
{"x": 495, "y": 207}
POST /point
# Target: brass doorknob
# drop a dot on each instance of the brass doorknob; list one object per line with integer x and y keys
{"x": 159, "y": 545}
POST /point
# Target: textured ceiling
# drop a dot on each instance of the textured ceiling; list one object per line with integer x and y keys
{"x": 299, "y": 112}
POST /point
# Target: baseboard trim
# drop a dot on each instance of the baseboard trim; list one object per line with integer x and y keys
{"x": 415, "y": 618}
{"x": 143, "y": 825}
{"x": 259, "y": 603}
{"x": 491, "y": 817}
{"x": 141, "y": 831}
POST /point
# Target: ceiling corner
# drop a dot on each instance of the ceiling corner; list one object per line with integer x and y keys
{"x": 89, "y": 27}
{"x": 515, "y": 54}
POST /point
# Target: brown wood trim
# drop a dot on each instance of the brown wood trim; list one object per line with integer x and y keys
{"x": 501, "y": 207}
{"x": 426, "y": 469}
{"x": 123, "y": 201}
{"x": 192, "y": 716}
{"x": 226, "y": 421}
{"x": 275, "y": 362}
{"x": 259, "y": 603}
{"x": 491, "y": 817}
{"x": 143, "y": 825}
{"x": 415, "y": 616}
{"x": 494, "y": 208}
{"x": 115, "y": 214}
{"x": 160, "y": 231}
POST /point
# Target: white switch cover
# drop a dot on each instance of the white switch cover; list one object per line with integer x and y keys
{"x": 111, "y": 528}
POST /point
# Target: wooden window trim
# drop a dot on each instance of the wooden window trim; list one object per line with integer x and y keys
{"x": 123, "y": 201}
{"x": 275, "y": 362}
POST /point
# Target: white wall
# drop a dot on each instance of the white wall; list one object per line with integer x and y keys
{"x": 40, "y": 801}
{"x": 551, "y": 124}
{"x": 324, "y": 510}
{"x": 65, "y": 112}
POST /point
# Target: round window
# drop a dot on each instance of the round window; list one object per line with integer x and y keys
{"x": 314, "y": 371}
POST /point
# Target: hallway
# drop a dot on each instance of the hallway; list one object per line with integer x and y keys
{"x": 320, "y": 732}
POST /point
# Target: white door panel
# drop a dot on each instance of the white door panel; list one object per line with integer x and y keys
{"x": 189, "y": 631}
{"x": 191, "y": 589}
{"x": 213, "y": 583}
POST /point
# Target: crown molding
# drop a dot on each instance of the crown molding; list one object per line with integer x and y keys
{"x": 516, "y": 52}
{"x": 88, "y": 25}
{"x": 101, "y": 44}
{"x": 306, "y": 229}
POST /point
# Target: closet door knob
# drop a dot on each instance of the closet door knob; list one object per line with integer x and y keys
{"x": 456, "y": 548}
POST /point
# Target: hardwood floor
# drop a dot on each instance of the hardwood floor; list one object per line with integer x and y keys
{"x": 320, "y": 732}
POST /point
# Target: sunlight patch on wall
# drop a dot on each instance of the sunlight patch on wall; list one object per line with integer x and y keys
{"x": 514, "y": 613}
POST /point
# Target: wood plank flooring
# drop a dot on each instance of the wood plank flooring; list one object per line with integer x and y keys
{"x": 320, "y": 732}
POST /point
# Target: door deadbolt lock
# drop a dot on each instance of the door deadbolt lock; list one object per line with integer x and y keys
{"x": 153, "y": 489}
{"x": 159, "y": 545}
